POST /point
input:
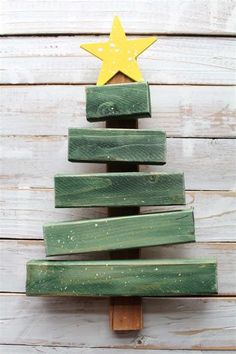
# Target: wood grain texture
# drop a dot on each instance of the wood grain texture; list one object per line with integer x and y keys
{"x": 33, "y": 161}
{"x": 15, "y": 254}
{"x": 125, "y": 313}
{"x": 117, "y": 145}
{"x": 181, "y": 111}
{"x": 18, "y": 349}
{"x": 174, "y": 277}
{"x": 171, "y": 60}
{"x": 183, "y": 323}
{"x": 118, "y": 101}
{"x": 34, "y": 207}
{"x": 119, "y": 233}
{"x": 119, "y": 189}
{"x": 28, "y": 17}
{"x": 31, "y": 325}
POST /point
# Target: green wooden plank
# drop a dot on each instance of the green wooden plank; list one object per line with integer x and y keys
{"x": 119, "y": 233}
{"x": 119, "y": 101}
{"x": 119, "y": 189}
{"x": 121, "y": 278}
{"x": 123, "y": 145}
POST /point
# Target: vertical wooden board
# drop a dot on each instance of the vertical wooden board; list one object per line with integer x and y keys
{"x": 173, "y": 277}
{"x": 119, "y": 189}
{"x": 117, "y": 145}
{"x": 118, "y": 101}
{"x": 127, "y": 315}
{"x": 119, "y": 233}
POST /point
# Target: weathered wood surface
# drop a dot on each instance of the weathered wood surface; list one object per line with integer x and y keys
{"x": 33, "y": 161}
{"x": 168, "y": 277}
{"x": 18, "y": 349}
{"x": 181, "y": 111}
{"x": 42, "y": 17}
{"x": 119, "y": 233}
{"x": 183, "y": 323}
{"x": 118, "y": 101}
{"x": 184, "y": 111}
{"x": 125, "y": 313}
{"x": 171, "y": 60}
{"x": 119, "y": 189}
{"x": 143, "y": 146}
{"x": 19, "y": 252}
{"x": 34, "y": 207}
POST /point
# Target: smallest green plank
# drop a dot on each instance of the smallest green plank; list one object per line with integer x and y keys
{"x": 119, "y": 233}
{"x": 119, "y": 101}
{"x": 139, "y": 146}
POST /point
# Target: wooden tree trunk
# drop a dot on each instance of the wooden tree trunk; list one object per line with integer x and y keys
{"x": 125, "y": 312}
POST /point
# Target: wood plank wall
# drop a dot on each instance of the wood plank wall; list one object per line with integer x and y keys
{"x": 191, "y": 69}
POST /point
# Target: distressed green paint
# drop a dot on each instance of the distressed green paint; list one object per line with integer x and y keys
{"x": 119, "y": 189}
{"x": 173, "y": 277}
{"x": 119, "y": 101}
{"x": 119, "y": 233}
{"x": 123, "y": 145}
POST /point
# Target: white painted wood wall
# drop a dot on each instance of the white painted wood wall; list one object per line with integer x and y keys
{"x": 43, "y": 74}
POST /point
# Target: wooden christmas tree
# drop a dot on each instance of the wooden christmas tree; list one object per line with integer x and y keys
{"x": 123, "y": 189}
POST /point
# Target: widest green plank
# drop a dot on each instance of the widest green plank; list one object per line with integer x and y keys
{"x": 123, "y": 145}
{"x": 119, "y": 101}
{"x": 119, "y": 233}
{"x": 121, "y": 278}
{"x": 119, "y": 189}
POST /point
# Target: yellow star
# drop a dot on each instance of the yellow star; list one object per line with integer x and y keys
{"x": 119, "y": 54}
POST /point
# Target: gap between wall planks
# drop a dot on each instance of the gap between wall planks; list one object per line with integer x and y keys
{"x": 125, "y": 312}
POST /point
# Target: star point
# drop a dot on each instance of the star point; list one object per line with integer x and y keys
{"x": 119, "y": 54}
